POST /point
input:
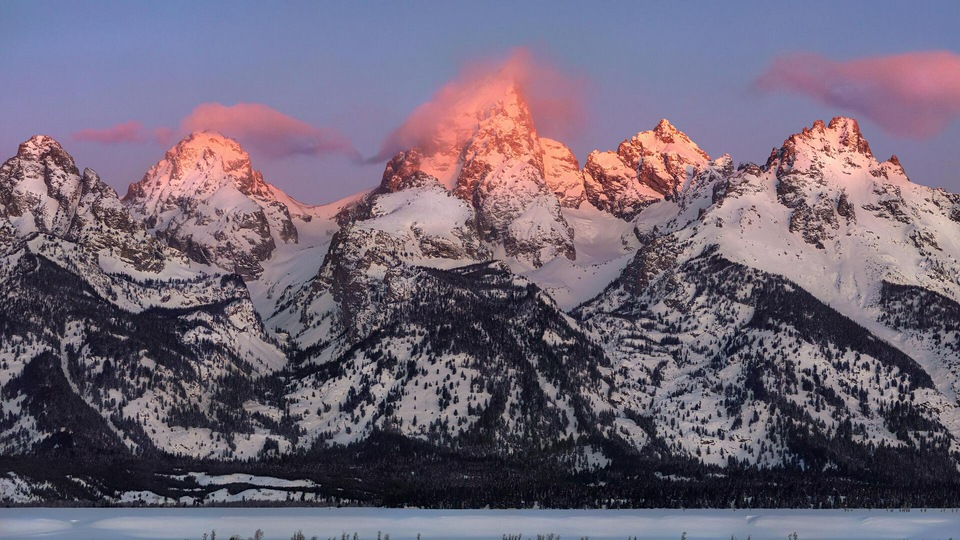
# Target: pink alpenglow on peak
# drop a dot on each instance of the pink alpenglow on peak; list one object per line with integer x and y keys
{"x": 840, "y": 141}
{"x": 914, "y": 94}
{"x": 644, "y": 169}
{"x": 199, "y": 164}
{"x": 478, "y": 139}
{"x": 205, "y": 199}
{"x": 554, "y": 100}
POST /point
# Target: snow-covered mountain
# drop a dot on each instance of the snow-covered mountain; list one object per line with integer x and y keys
{"x": 791, "y": 295}
{"x": 110, "y": 341}
{"x": 205, "y": 199}
{"x": 490, "y": 298}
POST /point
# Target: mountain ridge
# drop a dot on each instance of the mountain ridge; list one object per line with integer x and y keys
{"x": 495, "y": 300}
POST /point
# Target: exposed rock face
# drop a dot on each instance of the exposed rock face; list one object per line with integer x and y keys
{"x": 41, "y": 190}
{"x": 206, "y": 200}
{"x": 496, "y": 162}
{"x": 612, "y": 186}
{"x": 810, "y": 162}
{"x": 40, "y": 187}
{"x": 387, "y": 235}
{"x": 403, "y": 172}
{"x": 562, "y": 173}
{"x": 663, "y": 158}
{"x": 644, "y": 169}
{"x": 504, "y": 135}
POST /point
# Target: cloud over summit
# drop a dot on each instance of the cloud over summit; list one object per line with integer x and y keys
{"x": 555, "y": 100}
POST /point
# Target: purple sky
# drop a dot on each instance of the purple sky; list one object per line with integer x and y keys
{"x": 316, "y": 80}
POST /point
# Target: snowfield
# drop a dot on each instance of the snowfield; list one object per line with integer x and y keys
{"x": 408, "y": 524}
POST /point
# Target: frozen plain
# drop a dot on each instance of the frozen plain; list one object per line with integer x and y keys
{"x": 404, "y": 524}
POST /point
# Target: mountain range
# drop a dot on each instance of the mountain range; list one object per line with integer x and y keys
{"x": 652, "y": 325}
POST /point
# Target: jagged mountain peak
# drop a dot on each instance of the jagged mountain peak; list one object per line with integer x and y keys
{"x": 833, "y": 153}
{"x": 483, "y": 147}
{"x": 40, "y": 187}
{"x": 665, "y": 131}
{"x": 40, "y": 146}
{"x": 205, "y": 150}
{"x": 645, "y": 168}
{"x": 849, "y": 133}
{"x": 499, "y": 139}
{"x": 205, "y": 199}
{"x": 665, "y": 138}
{"x": 485, "y": 117}
{"x": 403, "y": 172}
{"x": 201, "y": 163}
{"x": 43, "y": 149}
{"x": 506, "y": 98}
{"x": 841, "y": 136}
{"x": 500, "y": 94}
{"x": 494, "y": 104}
{"x": 42, "y": 191}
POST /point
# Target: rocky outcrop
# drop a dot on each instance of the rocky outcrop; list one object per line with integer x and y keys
{"x": 42, "y": 191}
{"x": 644, "y": 169}
{"x": 496, "y": 161}
{"x": 562, "y": 172}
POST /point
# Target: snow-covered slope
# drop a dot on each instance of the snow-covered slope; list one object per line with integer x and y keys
{"x": 605, "y": 244}
{"x": 362, "y": 275}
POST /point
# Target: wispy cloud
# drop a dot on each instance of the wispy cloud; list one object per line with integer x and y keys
{"x": 268, "y": 131}
{"x": 126, "y": 133}
{"x": 913, "y": 95}
{"x": 129, "y": 132}
{"x": 256, "y": 126}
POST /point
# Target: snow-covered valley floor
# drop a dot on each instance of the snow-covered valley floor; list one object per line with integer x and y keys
{"x": 403, "y": 524}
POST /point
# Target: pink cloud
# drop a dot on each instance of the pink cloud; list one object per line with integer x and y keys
{"x": 267, "y": 130}
{"x": 555, "y": 100}
{"x": 130, "y": 132}
{"x": 914, "y": 94}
